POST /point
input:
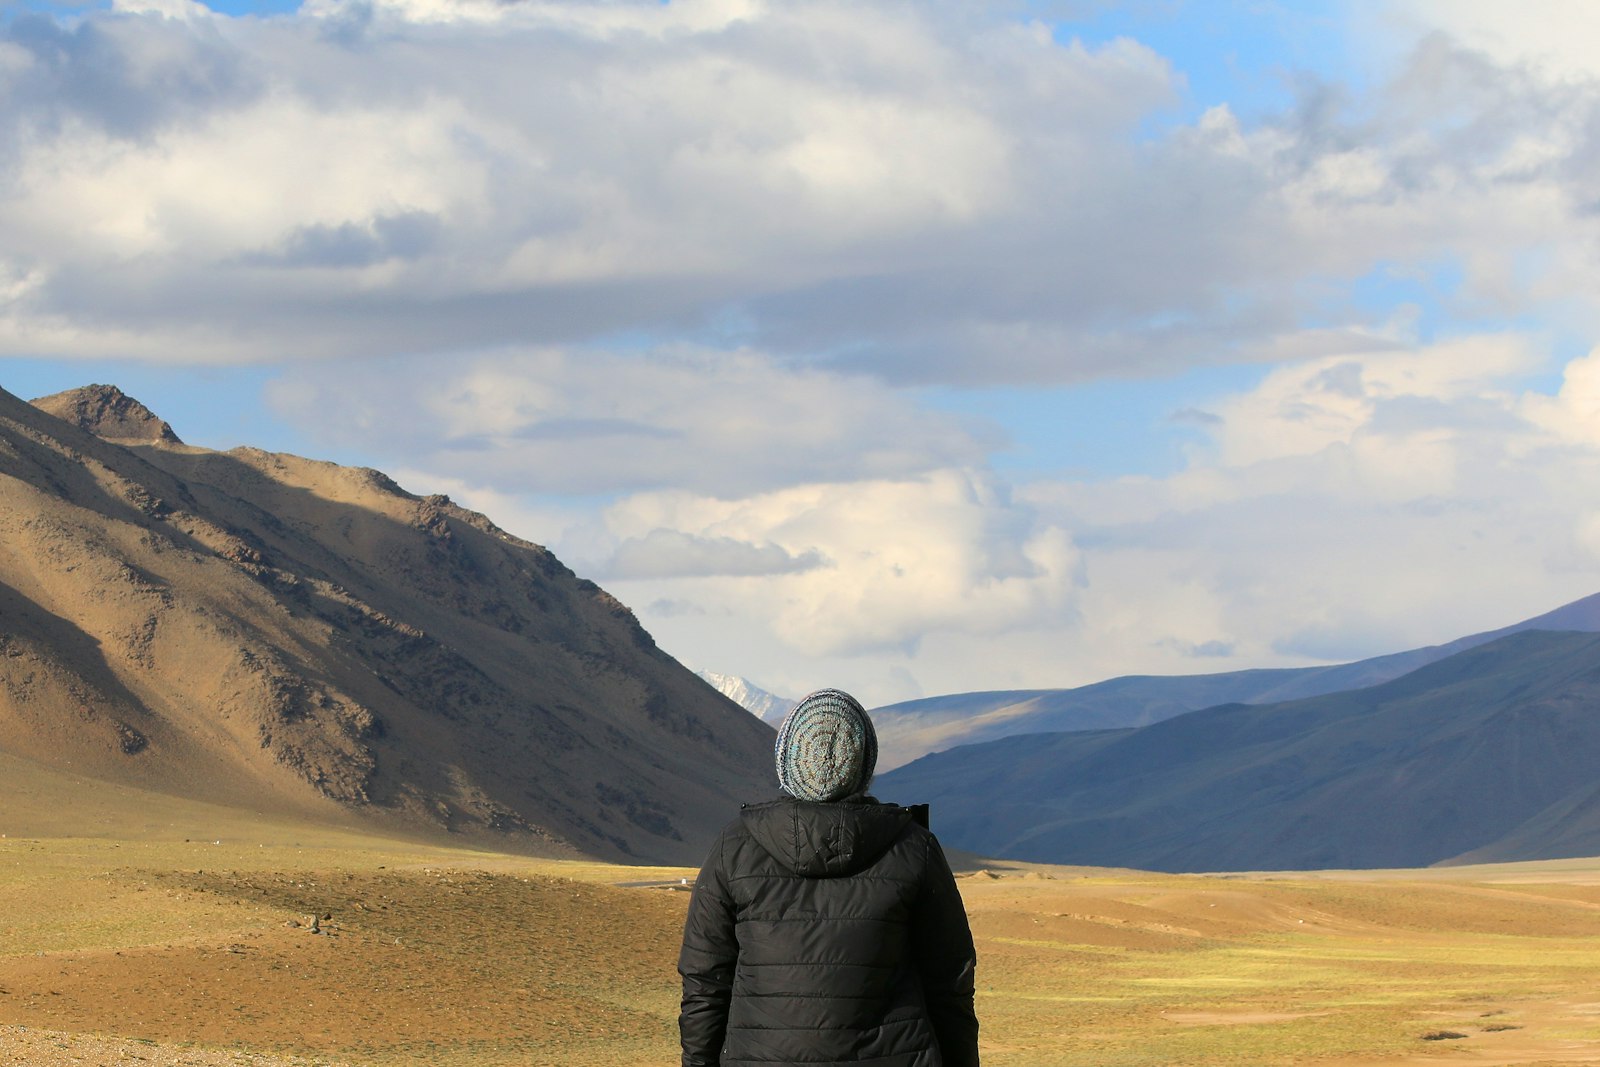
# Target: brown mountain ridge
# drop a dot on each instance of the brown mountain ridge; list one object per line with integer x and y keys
{"x": 288, "y": 635}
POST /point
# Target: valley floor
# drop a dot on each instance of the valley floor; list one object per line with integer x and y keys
{"x": 186, "y": 936}
{"x": 22, "y": 1047}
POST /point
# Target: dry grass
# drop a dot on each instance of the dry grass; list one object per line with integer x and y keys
{"x": 1134, "y": 969}
{"x": 169, "y": 931}
{"x": 422, "y": 955}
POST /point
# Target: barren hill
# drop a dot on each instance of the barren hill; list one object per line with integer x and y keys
{"x": 282, "y": 634}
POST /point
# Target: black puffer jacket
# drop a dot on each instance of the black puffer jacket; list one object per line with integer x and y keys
{"x": 827, "y": 933}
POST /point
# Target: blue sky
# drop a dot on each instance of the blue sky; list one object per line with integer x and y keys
{"x": 906, "y": 348}
{"x": 1249, "y": 54}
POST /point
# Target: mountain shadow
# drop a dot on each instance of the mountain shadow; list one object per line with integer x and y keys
{"x": 916, "y": 727}
{"x": 1487, "y": 754}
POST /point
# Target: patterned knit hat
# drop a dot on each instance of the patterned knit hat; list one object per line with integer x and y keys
{"x": 826, "y": 747}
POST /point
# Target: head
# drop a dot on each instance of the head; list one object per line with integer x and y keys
{"x": 826, "y": 748}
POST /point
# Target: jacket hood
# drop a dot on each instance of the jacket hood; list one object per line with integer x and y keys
{"x": 825, "y": 840}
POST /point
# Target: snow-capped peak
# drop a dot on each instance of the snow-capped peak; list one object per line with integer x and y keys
{"x": 754, "y": 699}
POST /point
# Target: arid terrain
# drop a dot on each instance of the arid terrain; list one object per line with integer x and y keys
{"x": 139, "y": 928}
{"x": 291, "y": 636}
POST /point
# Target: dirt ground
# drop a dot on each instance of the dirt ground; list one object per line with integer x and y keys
{"x": 419, "y": 966}
{"x": 337, "y": 951}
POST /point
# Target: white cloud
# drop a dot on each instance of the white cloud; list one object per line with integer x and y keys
{"x": 1559, "y": 38}
{"x": 1355, "y": 505}
{"x": 172, "y": 9}
{"x": 1404, "y": 395}
{"x": 585, "y": 421}
{"x": 238, "y": 186}
{"x": 577, "y": 178}
{"x": 1573, "y": 414}
{"x": 897, "y": 560}
{"x": 663, "y": 553}
{"x": 926, "y": 193}
{"x": 600, "y": 20}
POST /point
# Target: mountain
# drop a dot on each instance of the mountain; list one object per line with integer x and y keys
{"x": 281, "y": 634}
{"x": 917, "y": 727}
{"x": 752, "y": 698}
{"x": 1488, "y": 754}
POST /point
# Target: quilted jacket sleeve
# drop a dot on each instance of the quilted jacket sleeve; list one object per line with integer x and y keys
{"x": 706, "y": 962}
{"x": 947, "y": 961}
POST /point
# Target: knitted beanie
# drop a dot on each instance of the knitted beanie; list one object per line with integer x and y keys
{"x": 826, "y": 747}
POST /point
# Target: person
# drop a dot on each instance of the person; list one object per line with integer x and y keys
{"x": 826, "y": 927}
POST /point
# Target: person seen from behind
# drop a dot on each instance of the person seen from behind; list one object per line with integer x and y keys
{"x": 826, "y": 927}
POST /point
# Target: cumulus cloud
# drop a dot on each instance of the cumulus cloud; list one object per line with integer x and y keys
{"x": 903, "y": 559}
{"x": 666, "y": 553}
{"x": 1572, "y": 415}
{"x": 1356, "y": 505}
{"x": 585, "y": 168}
{"x": 1414, "y": 396}
{"x": 587, "y": 421}
{"x": 1557, "y": 37}
{"x": 927, "y": 193}
{"x": 408, "y": 235}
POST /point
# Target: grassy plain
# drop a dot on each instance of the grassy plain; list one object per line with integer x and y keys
{"x": 165, "y": 925}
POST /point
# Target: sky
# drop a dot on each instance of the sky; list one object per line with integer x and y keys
{"x": 908, "y": 347}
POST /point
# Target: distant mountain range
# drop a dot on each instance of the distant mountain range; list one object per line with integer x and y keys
{"x": 749, "y": 696}
{"x": 1485, "y": 755}
{"x": 915, "y": 728}
{"x": 276, "y": 633}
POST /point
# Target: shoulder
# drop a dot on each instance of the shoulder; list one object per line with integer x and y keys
{"x": 918, "y": 851}
{"x": 732, "y": 831}
{"x": 736, "y": 835}
{"x": 915, "y": 830}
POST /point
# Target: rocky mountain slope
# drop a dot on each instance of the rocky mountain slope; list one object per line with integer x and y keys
{"x": 282, "y": 634}
{"x": 917, "y": 727}
{"x": 1485, "y": 755}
